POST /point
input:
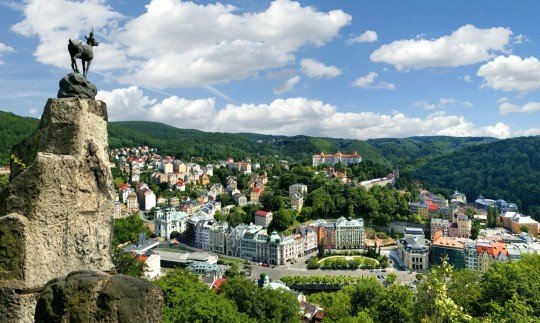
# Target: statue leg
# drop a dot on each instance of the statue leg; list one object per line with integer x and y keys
{"x": 74, "y": 65}
{"x": 83, "y": 69}
{"x": 87, "y": 67}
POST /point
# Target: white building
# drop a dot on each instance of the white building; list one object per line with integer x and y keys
{"x": 338, "y": 157}
{"x": 234, "y": 240}
{"x": 298, "y": 188}
{"x": 413, "y": 249}
{"x": 297, "y": 202}
{"x": 389, "y": 179}
{"x": 349, "y": 233}
{"x": 147, "y": 198}
{"x": 263, "y": 218}
{"x": 218, "y": 237}
{"x": 167, "y": 220}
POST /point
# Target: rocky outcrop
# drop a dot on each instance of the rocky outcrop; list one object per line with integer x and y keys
{"x": 74, "y": 85}
{"x": 56, "y": 213}
{"x": 89, "y": 296}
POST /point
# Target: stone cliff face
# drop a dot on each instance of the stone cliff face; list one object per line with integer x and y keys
{"x": 102, "y": 298}
{"x": 56, "y": 214}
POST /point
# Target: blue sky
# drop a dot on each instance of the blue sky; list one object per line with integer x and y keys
{"x": 355, "y": 69}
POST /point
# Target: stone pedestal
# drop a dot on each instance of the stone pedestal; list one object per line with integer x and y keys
{"x": 56, "y": 214}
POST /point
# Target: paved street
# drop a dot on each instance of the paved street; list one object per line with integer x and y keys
{"x": 299, "y": 268}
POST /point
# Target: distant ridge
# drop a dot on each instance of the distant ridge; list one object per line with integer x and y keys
{"x": 186, "y": 143}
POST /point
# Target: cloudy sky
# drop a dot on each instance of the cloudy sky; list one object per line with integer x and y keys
{"x": 353, "y": 69}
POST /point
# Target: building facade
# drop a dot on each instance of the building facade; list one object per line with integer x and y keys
{"x": 413, "y": 249}
{"x": 331, "y": 159}
{"x": 167, "y": 220}
{"x": 263, "y": 218}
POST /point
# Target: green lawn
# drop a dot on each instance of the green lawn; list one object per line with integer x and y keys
{"x": 363, "y": 260}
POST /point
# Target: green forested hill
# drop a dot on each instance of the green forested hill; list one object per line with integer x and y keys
{"x": 13, "y": 129}
{"x": 403, "y": 152}
{"x": 507, "y": 169}
{"x": 186, "y": 143}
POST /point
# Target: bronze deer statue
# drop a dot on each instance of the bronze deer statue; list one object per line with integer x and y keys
{"x": 82, "y": 51}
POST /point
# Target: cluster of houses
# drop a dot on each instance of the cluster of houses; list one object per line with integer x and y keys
{"x": 177, "y": 174}
{"x": 450, "y": 232}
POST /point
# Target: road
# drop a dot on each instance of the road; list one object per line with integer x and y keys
{"x": 299, "y": 268}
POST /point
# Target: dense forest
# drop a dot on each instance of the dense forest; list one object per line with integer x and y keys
{"x": 507, "y": 169}
{"x": 187, "y": 143}
{"x": 403, "y": 152}
{"x": 13, "y": 129}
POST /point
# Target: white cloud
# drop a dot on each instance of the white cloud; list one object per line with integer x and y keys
{"x": 4, "y": 49}
{"x": 530, "y": 107}
{"x": 368, "y": 37}
{"x": 193, "y": 114}
{"x": 32, "y": 111}
{"x": 180, "y": 43}
{"x": 291, "y": 116}
{"x": 287, "y": 86}
{"x": 316, "y": 69}
{"x": 212, "y": 43}
{"x": 441, "y": 104}
{"x": 368, "y": 82}
{"x": 466, "y": 129}
{"x": 467, "y": 45}
{"x": 519, "y": 39}
{"x": 527, "y": 132}
{"x": 56, "y": 21}
{"x": 509, "y": 73}
{"x": 126, "y": 103}
{"x": 467, "y": 78}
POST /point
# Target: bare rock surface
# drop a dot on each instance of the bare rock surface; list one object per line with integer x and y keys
{"x": 56, "y": 214}
{"x": 90, "y": 296}
{"x": 74, "y": 85}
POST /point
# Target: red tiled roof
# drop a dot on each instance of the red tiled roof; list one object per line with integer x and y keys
{"x": 263, "y": 214}
{"x": 338, "y": 154}
{"x": 218, "y": 283}
{"x": 122, "y": 186}
{"x": 142, "y": 258}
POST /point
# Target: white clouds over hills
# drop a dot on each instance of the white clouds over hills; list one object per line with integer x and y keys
{"x": 529, "y": 107}
{"x": 288, "y": 117}
{"x": 467, "y": 45}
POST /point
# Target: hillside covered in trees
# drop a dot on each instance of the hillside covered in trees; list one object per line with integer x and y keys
{"x": 13, "y": 129}
{"x": 187, "y": 143}
{"x": 507, "y": 169}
